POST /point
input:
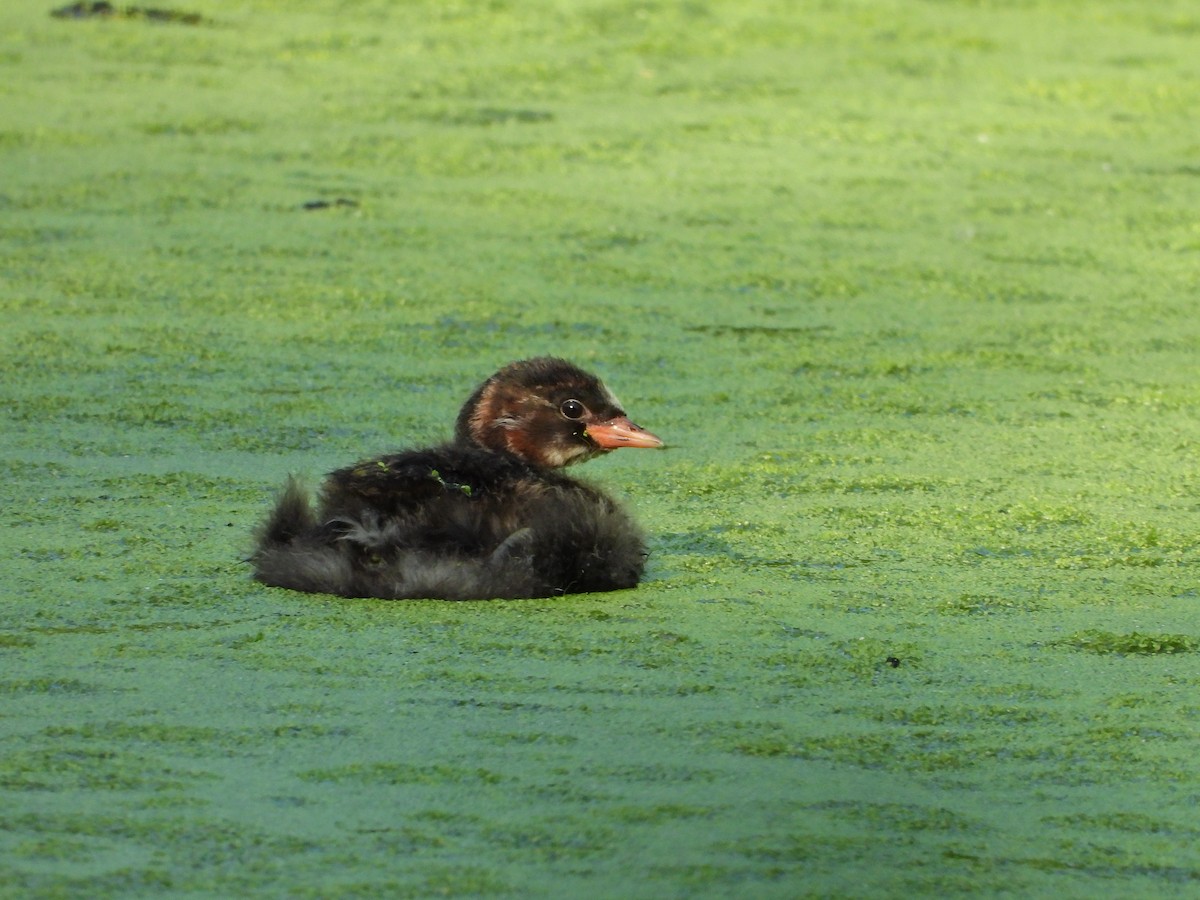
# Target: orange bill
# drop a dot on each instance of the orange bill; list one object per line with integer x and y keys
{"x": 620, "y": 432}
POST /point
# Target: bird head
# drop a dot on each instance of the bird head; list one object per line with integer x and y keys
{"x": 548, "y": 413}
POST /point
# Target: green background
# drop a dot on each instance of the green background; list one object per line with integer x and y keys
{"x": 910, "y": 290}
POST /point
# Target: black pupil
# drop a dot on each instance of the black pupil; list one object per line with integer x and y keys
{"x": 572, "y": 409}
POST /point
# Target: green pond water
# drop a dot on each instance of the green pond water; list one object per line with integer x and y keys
{"x": 909, "y": 288}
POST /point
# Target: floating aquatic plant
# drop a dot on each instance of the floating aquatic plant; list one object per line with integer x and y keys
{"x": 1095, "y": 641}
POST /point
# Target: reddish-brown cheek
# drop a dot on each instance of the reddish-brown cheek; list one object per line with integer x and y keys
{"x": 520, "y": 443}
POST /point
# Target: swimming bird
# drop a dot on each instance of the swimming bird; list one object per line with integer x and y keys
{"x": 488, "y": 515}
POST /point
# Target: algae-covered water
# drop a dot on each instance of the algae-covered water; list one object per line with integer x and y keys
{"x": 910, "y": 289}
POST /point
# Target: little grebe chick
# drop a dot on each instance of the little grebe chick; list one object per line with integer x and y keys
{"x": 485, "y": 516}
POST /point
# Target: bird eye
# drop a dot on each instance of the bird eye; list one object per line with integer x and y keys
{"x": 572, "y": 409}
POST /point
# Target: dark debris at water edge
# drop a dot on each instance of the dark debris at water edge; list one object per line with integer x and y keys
{"x": 104, "y": 10}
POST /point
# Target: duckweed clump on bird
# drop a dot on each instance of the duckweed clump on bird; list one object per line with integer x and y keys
{"x": 911, "y": 300}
